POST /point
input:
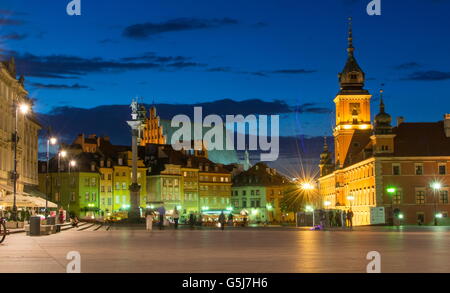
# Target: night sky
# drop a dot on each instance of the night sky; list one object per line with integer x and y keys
{"x": 197, "y": 51}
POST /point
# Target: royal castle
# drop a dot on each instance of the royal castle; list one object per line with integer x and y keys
{"x": 384, "y": 174}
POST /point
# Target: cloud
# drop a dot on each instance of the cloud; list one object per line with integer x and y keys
{"x": 293, "y": 71}
{"x": 430, "y": 75}
{"x": 262, "y": 73}
{"x": 14, "y": 37}
{"x": 7, "y": 21}
{"x": 407, "y": 65}
{"x": 148, "y": 29}
{"x": 75, "y": 86}
{"x": 151, "y": 56}
{"x": 67, "y": 66}
{"x": 312, "y": 108}
{"x": 108, "y": 119}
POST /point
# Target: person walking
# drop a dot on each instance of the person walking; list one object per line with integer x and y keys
{"x": 149, "y": 215}
{"x": 192, "y": 220}
{"x": 162, "y": 216}
{"x": 222, "y": 220}
{"x": 230, "y": 219}
{"x": 176, "y": 217}
{"x": 350, "y": 218}
{"x": 344, "y": 219}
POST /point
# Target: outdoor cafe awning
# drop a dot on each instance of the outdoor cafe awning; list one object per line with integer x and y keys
{"x": 24, "y": 200}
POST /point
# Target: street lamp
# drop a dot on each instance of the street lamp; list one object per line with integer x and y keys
{"x": 327, "y": 203}
{"x": 350, "y": 198}
{"x": 61, "y": 154}
{"x": 392, "y": 191}
{"x": 311, "y": 209}
{"x": 50, "y": 141}
{"x": 436, "y": 186}
{"x": 24, "y": 109}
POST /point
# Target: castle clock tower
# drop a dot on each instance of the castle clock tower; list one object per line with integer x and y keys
{"x": 353, "y": 128}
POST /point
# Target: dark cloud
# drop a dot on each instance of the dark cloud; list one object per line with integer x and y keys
{"x": 14, "y": 37}
{"x": 430, "y": 75}
{"x": 261, "y": 73}
{"x": 181, "y": 65}
{"x": 66, "y": 66}
{"x": 312, "y": 108}
{"x": 148, "y": 29}
{"x": 108, "y": 41}
{"x": 109, "y": 119}
{"x": 151, "y": 56}
{"x": 75, "y": 86}
{"x": 7, "y": 21}
{"x": 293, "y": 71}
{"x": 407, "y": 65}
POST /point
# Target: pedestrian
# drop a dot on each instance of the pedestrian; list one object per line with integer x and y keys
{"x": 344, "y": 219}
{"x": 75, "y": 222}
{"x": 337, "y": 218}
{"x": 61, "y": 216}
{"x": 350, "y": 218}
{"x": 176, "y": 217}
{"x": 230, "y": 219}
{"x": 191, "y": 220}
{"x": 222, "y": 220}
{"x": 162, "y": 216}
{"x": 149, "y": 215}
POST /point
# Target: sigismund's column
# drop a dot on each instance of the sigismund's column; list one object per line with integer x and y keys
{"x": 134, "y": 213}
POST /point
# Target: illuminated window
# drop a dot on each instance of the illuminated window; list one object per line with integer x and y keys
{"x": 396, "y": 169}
{"x": 443, "y": 197}
{"x": 420, "y": 196}
{"x": 419, "y": 169}
{"x": 442, "y": 169}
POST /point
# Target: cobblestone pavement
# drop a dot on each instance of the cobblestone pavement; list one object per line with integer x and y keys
{"x": 290, "y": 250}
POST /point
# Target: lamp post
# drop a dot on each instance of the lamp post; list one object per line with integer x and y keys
{"x": 61, "y": 154}
{"x": 392, "y": 191}
{"x": 311, "y": 209}
{"x": 24, "y": 109}
{"x": 72, "y": 164}
{"x": 436, "y": 186}
{"x": 50, "y": 141}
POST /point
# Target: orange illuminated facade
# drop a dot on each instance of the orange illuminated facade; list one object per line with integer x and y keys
{"x": 384, "y": 174}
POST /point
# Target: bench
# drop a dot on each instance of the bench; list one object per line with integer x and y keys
{"x": 45, "y": 229}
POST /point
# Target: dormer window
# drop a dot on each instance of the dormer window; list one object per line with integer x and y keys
{"x": 353, "y": 76}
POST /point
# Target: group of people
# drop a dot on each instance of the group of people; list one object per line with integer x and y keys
{"x": 336, "y": 218}
{"x": 193, "y": 219}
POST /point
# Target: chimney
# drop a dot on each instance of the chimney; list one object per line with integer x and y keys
{"x": 447, "y": 125}
{"x": 400, "y": 120}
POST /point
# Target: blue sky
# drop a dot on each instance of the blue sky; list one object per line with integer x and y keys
{"x": 176, "y": 51}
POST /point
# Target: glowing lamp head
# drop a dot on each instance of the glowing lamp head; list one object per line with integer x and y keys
{"x": 309, "y": 208}
{"x": 73, "y": 163}
{"x": 327, "y": 203}
{"x": 63, "y": 154}
{"x": 350, "y": 197}
{"x": 307, "y": 186}
{"x": 392, "y": 190}
{"x": 53, "y": 140}
{"x": 436, "y": 185}
{"x": 401, "y": 216}
{"x": 24, "y": 108}
{"x": 438, "y": 215}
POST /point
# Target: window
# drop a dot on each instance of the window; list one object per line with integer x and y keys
{"x": 419, "y": 169}
{"x": 94, "y": 196}
{"x": 72, "y": 196}
{"x": 117, "y": 186}
{"x": 397, "y": 197}
{"x": 244, "y": 203}
{"x": 124, "y": 186}
{"x": 420, "y": 196}
{"x": 93, "y": 181}
{"x": 443, "y": 197}
{"x": 109, "y": 201}
{"x": 442, "y": 169}
{"x": 117, "y": 199}
{"x": 86, "y": 196}
{"x": 244, "y": 192}
{"x": 395, "y": 169}
{"x": 109, "y": 176}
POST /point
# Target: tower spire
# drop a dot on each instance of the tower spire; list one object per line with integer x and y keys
{"x": 350, "y": 48}
{"x": 381, "y": 101}
{"x": 325, "y": 144}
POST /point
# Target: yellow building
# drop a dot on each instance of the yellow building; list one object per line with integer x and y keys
{"x": 12, "y": 92}
{"x": 383, "y": 174}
